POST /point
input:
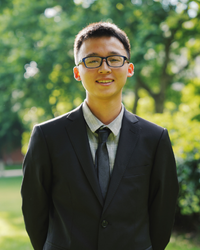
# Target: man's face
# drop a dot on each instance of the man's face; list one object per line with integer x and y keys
{"x": 104, "y": 82}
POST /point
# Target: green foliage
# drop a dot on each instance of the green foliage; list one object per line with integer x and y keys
{"x": 190, "y": 100}
{"x": 37, "y": 51}
{"x": 36, "y": 70}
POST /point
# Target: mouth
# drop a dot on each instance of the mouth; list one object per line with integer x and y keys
{"x": 105, "y": 82}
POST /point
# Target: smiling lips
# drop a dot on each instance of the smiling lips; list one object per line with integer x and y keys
{"x": 105, "y": 81}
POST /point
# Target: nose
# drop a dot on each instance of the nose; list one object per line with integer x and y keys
{"x": 104, "y": 68}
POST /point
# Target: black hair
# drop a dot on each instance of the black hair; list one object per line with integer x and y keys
{"x": 101, "y": 29}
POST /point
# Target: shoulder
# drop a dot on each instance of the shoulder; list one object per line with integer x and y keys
{"x": 61, "y": 120}
{"x": 145, "y": 127}
{"x": 141, "y": 121}
{"x": 149, "y": 125}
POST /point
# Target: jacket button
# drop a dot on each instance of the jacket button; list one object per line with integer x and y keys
{"x": 104, "y": 223}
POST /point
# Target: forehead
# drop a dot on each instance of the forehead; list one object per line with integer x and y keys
{"x": 101, "y": 46}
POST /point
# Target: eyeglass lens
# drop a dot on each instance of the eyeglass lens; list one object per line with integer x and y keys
{"x": 113, "y": 61}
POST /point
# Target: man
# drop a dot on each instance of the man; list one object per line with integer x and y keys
{"x": 73, "y": 198}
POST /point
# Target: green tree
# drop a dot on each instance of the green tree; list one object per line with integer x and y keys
{"x": 36, "y": 51}
{"x": 164, "y": 39}
{"x": 36, "y": 77}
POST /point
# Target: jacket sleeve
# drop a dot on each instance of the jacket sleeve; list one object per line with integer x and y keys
{"x": 163, "y": 194}
{"x": 35, "y": 189}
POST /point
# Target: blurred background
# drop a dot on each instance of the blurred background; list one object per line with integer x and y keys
{"x": 36, "y": 84}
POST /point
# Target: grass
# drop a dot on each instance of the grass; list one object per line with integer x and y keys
{"x": 13, "y": 234}
{"x": 184, "y": 241}
{"x": 14, "y": 166}
{"x": 12, "y": 231}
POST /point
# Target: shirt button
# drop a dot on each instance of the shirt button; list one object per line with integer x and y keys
{"x": 104, "y": 223}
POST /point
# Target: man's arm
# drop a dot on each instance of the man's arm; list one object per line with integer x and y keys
{"x": 163, "y": 194}
{"x": 35, "y": 189}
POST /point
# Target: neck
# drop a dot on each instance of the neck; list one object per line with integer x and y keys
{"x": 105, "y": 110}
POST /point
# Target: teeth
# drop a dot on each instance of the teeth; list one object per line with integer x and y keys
{"x": 105, "y": 81}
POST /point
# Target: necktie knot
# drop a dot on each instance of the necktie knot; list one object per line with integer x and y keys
{"x": 103, "y": 135}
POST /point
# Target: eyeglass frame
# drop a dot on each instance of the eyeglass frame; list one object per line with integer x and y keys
{"x": 102, "y": 58}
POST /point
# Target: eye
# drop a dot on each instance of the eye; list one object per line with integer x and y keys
{"x": 92, "y": 60}
{"x": 114, "y": 59}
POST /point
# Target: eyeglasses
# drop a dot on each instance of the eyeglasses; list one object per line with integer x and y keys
{"x": 114, "y": 61}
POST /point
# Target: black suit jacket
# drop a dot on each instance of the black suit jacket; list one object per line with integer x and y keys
{"x": 62, "y": 203}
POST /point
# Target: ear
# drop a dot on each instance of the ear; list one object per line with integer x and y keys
{"x": 76, "y": 74}
{"x": 130, "y": 70}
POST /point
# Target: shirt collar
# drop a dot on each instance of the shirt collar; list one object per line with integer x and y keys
{"x": 94, "y": 123}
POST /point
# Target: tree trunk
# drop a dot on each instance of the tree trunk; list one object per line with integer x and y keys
{"x": 136, "y": 98}
{"x": 159, "y": 100}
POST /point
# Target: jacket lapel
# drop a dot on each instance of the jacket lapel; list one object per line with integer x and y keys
{"x": 77, "y": 132}
{"x": 128, "y": 138}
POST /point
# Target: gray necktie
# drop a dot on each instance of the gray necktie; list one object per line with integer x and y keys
{"x": 102, "y": 160}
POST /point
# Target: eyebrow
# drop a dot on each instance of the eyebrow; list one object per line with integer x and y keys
{"x": 110, "y": 53}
